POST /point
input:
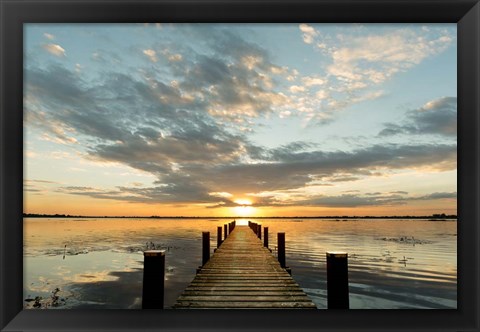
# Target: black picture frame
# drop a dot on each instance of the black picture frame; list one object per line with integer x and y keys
{"x": 14, "y": 13}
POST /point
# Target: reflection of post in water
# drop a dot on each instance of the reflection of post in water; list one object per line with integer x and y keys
{"x": 64, "y": 251}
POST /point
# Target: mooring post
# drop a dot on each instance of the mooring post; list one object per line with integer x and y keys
{"x": 205, "y": 247}
{"x": 153, "y": 279}
{"x": 225, "y": 231}
{"x": 281, "y": 249}
{"x": 337, "y": 280}
{"x": 265, "y": 237}
{"x": 219, "y": 236}
{"x": 259, "y": 232}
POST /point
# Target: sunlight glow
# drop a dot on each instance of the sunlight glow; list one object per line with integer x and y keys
{"x": 244, "y": 210}
{"x": 243, "y": 201}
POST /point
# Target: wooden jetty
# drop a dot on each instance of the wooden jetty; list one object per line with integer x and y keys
{"x": 243, "y": 274}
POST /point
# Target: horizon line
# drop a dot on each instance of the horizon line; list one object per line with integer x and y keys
{"x": 58, "y": 215}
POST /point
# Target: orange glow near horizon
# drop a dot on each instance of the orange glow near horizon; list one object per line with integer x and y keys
{"x": 63, "y": 204}
{"x": 244, "y": 211}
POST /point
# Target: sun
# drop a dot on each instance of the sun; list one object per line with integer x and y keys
{"x": 244, "y": 208}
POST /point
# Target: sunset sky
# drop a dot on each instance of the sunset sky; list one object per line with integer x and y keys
{"x": 240, "y": 120}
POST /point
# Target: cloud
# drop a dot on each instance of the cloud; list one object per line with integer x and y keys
{"x": 437, "y": 117}
{"x": 49, "y": 36}
{"x": 350, "y": 199}
{"x": 308, "y": 33}
{"x": 376, "y": 57}
{"x": 357, "y": 64}
{"x": 221, "y": 194}
{"x": 204, "y": 178}
{"x": 175, "y": 57}
{"x": 296, "y": 88}
{"x": 183, "y": 123}
{"x": 312, "y": 81}
{"x": 38, "y": 187}
{"x": 151, "y": 54}
{"x": 38, "y": 181}
{"x": 54, "y": 49}
{"x": 376, "y": 199}
{"x": 438, "y": 195}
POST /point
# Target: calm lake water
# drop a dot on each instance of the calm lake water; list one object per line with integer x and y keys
{"x": 393, "y": 264}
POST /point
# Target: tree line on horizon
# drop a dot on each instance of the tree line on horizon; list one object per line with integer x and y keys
{"x": 433, "y": 216}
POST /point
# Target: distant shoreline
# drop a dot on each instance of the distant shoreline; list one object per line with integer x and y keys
{"x": 430, "y": 217}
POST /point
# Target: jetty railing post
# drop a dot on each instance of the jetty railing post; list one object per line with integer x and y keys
{"x": 219, "y": 236}
{"x": 153, "y": 279}
{"x": 205, "y": 247}
{"x": 281, "y": 249}
{"x": 337, "y": 280}
{"x": 225, "y": 231}
{"x": 265, "y": 237}
{"x": 259, "y": 232}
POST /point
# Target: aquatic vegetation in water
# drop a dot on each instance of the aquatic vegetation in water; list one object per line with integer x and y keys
{"x": 53, "y": 301}
{"x": 405, "y": 240}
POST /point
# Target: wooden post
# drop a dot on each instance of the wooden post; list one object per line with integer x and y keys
{"x": 205, "y": 247}
{"x": 225, "y": 231}
{"x": 281, "y": 249}
{"x": 259, "y": 232}
{"x": 337, "y": 280}
{"x": 219, "y": 236}
{"x": 153, "y": 279}
{"x": 265, "y": 237}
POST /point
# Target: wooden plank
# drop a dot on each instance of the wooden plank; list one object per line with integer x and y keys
{"x": 246, "y": 305}
{"x": 243, "y": 274}
{"x": 243, "y": 293}
{"x": 243, "y": 288}
{"x": 243, "y": 298}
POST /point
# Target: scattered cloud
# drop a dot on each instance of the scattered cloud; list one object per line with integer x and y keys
{"x": 296, "y": 88}
{"x": 175, "y": 57}
{"x": 308, "y": 33}
{"x": 151, "y": 54}
{"x": 356, "y": 65}
{"x": 49, "y": 36}
{"x": 55, "y": 49}
{"x": 312, "y": 81}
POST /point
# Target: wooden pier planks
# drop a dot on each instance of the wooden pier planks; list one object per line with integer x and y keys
{"x": 242, "y": 274}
